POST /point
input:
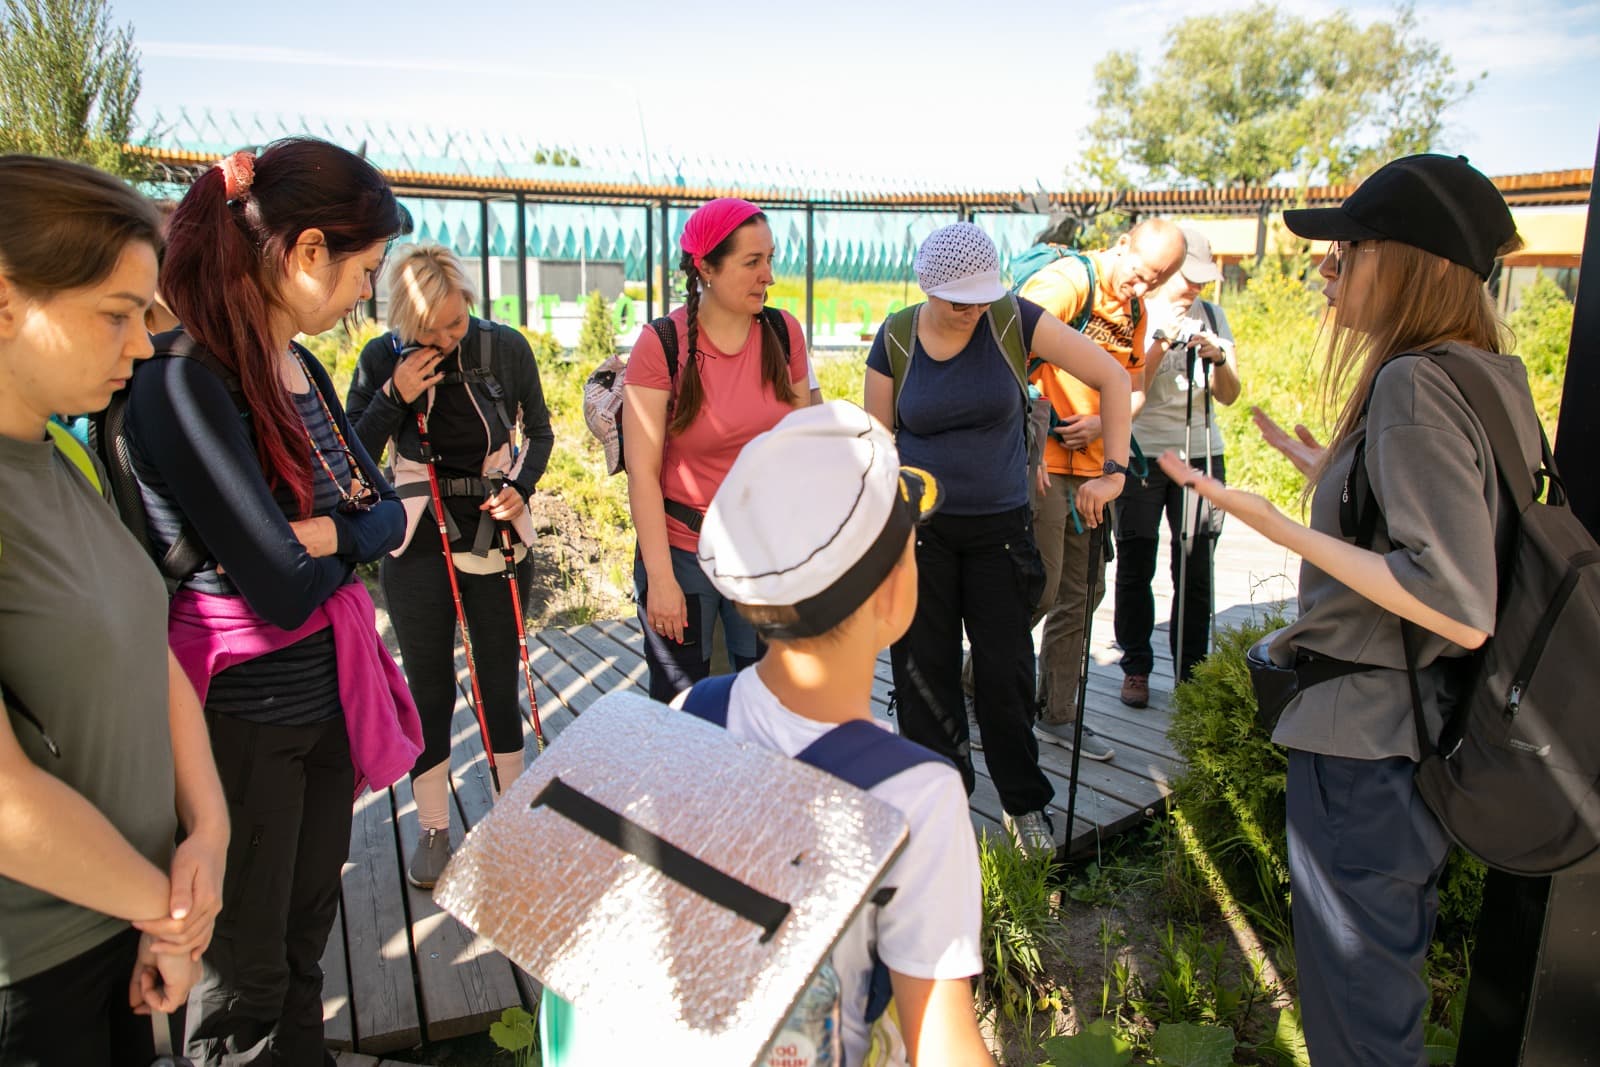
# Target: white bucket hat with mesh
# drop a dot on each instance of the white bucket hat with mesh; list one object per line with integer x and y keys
{"x": 959, "y": 263}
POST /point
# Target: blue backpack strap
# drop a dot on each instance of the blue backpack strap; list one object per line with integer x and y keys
{"x": 863, "y": 753}
{"x": 708, "y": 699}
{"x": 866, "y": 755}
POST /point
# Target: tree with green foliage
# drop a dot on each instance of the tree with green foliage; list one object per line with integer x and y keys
{"x": 1250, "y": 96}
{"x": 597, "y": 340}
{"x": 68, "y": 82}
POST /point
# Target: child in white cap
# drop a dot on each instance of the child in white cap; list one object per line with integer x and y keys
{"x": 812, "y": 535}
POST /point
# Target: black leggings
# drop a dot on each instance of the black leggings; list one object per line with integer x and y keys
{"x": 416, "y": 591}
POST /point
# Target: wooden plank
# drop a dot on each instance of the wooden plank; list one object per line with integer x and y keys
{"x": 336, "y": 1029}
{"x": 567, "y": 687}
{"x": 355, "y": 1059}
{"x": 590, "y": 667}
{"x": 383, "y": 998}
{"x": 464, "y": 984}
{"x": 615, "y": 654}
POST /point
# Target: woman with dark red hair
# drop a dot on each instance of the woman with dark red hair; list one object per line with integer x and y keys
{"x": 249, "y": 468}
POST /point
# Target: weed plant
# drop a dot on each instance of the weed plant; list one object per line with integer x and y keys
{"x": 1021, "y": 928}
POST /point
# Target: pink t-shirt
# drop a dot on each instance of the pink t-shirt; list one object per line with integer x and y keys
{"x": 737, "y": 405}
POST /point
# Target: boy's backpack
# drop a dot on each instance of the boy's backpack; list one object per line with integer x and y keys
{"x": 602, "y": 392}
{"x": 858, "y": 752}
{"x": 108, "y": 436}
{"x": 1515, "y": 777}
{"x": 1032, "y": 260}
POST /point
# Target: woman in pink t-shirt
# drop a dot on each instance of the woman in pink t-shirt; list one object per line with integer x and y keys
{"x": 683, "y": 427}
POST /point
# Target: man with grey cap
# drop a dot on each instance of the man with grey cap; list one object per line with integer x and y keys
{"x": 1189, "y": 362}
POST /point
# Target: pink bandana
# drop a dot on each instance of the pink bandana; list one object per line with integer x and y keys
{"x": 709, "y": 226}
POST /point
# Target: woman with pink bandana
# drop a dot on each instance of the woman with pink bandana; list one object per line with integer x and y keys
{"x": 685, "y": 421}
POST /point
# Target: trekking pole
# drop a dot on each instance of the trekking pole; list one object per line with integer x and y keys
{"x": 455, "y": 595}
{"x": 1185, "y": 527}
{"x": 1096, "y": 545}
{"x": 1211, "y": 533}
{"x": 496, "y": 479}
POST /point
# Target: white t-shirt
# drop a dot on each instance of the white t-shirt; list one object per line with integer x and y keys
{"x": 929, "y": 928}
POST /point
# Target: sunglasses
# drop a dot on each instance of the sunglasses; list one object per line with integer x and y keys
{"x": 964, "y": 307}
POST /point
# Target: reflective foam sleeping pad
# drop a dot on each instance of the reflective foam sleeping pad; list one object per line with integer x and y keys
{"x": 659, "y": 874}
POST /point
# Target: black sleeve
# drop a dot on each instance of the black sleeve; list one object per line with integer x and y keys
{"x": 187, "y": 427}
{"x": 365, "y": 535}
{"x": 376, "y": 416}
{"x": 539, "y": 438}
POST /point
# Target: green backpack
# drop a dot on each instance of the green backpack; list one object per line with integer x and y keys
{"x": 1031, "y": 261}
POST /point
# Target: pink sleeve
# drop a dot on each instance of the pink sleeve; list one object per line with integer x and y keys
{"x": 647, "y": 363}
{"x": 799, "y": 367}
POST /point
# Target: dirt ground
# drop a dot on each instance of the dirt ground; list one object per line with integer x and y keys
{"x": 570, "y": 586}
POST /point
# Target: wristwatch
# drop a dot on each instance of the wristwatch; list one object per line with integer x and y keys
{"x": 1113, "y": 467}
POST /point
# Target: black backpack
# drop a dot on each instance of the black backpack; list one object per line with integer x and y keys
{"x": 1515, "y": 777}
{"x": 108, "y": 436}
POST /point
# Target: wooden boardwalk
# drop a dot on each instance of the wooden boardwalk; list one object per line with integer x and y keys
{"x": 401, "y": 971}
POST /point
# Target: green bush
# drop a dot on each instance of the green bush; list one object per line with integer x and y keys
{"x": 597, "y": 340}
{"x": 1276, "y": 320}
{"x": 1542, "y": 326}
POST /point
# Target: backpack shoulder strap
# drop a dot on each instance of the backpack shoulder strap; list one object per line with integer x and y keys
{"x": 1483, "y": 396}
{"x": 486, "y": 343}
{"x": 1005, "y": 322}
{"x": 864, "y": 754}
{"x": 667, "y": 333}
{"x": 899, "y": 335}
{"x": 73, "y": 449}
{"x": 775, "y": 322}
{"x": 708, "y": 699}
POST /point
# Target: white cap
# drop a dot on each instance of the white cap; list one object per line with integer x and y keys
{"x": 959, "y": 263}
{"x": 813, "y": 515}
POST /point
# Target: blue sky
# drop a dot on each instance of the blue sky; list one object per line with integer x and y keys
{"x": 955, "y": 94}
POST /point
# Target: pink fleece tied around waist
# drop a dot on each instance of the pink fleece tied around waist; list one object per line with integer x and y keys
{"x": 209, "y": 634}
{"x": 709, "y": 226}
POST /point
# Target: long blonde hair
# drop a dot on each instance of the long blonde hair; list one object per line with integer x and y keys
{"x": 1410, "y": 300}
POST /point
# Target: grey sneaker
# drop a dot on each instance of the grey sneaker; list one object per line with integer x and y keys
{"x": 1060, "y": 733}
{"x": 1033, "y": 831}
{"x": 427, "y": 862}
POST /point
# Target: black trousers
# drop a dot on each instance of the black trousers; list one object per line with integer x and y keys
{"x": 981, "y": 572}
{"x": 289, "y": 791}
{"x": 416, "y": 590}
{"x": 77, "y": 1012}
{"x": 1139, "y": 512}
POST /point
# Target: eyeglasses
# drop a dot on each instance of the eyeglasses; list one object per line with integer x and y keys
{"x": 1342, "y": 249}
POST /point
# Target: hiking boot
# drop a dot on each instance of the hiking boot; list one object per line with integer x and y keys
{"x": 1136, "y": 690}
{"x": 427, "y": 862}
{"x": 1033, "y": 831}
{"x": 1060, "y": 733}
